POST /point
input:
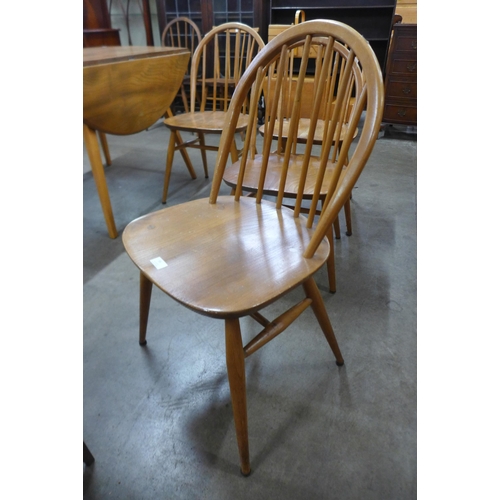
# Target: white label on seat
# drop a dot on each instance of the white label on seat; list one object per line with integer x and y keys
{"x": 158, "y": 262}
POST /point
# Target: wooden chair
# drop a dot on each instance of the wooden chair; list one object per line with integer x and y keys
{"x": 182, "y": 32}
{"x": 274, "y": 30}
{"x": 217, "y": 66}
{"x": 308, "y": 128}
{"x": 229, "y": 257}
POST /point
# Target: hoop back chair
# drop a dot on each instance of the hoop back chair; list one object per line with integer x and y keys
{"x": 182, "y": 32}
{"x": 216, "y": 68}
{"x": 298, "y": 126}
{"x": 228, "y": 257}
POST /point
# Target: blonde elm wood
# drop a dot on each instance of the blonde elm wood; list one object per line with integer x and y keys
{"x": 92, "y": 146}
{"x": 182, "y": 32}
{"x": 125, "y": 90}
{"x": 310, "y": 85}
{"x": 105, "y": 148}
{"x": 230, "y": 256}
{"x": 126, "y": 97}
{"x": 93, "y": 56}
{"x": 202, "y": 242}
{"x": 235, "y": 363}
{"x": 300, "y": 111}
{"x": 217, "y": 65}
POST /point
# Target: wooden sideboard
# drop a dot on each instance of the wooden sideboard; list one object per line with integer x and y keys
{"x": 401, "y": 77}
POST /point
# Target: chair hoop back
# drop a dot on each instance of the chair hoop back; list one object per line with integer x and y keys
{"x": 346, "y": 81}
{"x": 181, "y": 32}
{"x": 219, "y": 62}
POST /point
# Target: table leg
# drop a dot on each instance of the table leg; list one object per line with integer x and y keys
{"x": 92, "y": 145}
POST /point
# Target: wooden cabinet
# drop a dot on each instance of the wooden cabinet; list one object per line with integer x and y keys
{"x": 401, "y": 77}
{"x": 372, "y": 18}
{"x": 97, "y": 30}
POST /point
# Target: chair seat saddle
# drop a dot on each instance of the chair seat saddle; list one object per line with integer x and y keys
{"x": 203, "y": 121}
{"x": 257, "y": 254}
{"x": 303, "y": 128}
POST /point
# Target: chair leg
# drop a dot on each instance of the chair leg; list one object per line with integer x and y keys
{"x": 144, "y": 302}
{"x": 319, "y": 309}
{"x": 203, "y": 153}
{"x": 88, "y": 458}
{"x": 234, "y": 152}
{"x": 336, "y": 226}
{"x": 184, "y": 153}
{"x": 168, "y": 169}
{"x": 235, "y": 361}
{"x": 347, "y": 212}
{"x": 105, "y": 147}
{"x": 330, "y": 263}
{"x": 184, "y": 99}
{"x": 179, "y": 141}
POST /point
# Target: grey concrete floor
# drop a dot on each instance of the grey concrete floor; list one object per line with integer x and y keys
{"x": 158, "y": 419}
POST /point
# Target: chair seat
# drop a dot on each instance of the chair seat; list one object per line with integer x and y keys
{"x": 303, "y": 131}
{"x": 227, "y": 259}
{"x": 272, "y": 181}
{"x": 203, "y": 121}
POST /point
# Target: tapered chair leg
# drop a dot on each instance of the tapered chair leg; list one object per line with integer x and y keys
{"x": 168, "y": 169}
{"x": 105, "y": 147}
{"x": 184, "y": 99}
{"x": 179, "y": 141}
{"x": 235, "y": 361}
{"x": 347, "y": 212}
{"x": 144, "y": 302}
{"x": 330, "y": 263}
{"x": 234, "y": 152}
{"x": 203, "y": 153}
{"x": 319, "y": 309}
{"x": 336, "y": 227}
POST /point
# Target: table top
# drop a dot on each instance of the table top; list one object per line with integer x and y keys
{"x": 104, "y": 55}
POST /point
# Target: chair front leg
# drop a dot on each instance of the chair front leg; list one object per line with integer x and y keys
{"x": 235, "y": 361}
{"x": 203, "y": 153}
{"x": 144, "y": 302}
{"x": 168, "y": 168}
{"x": 330, "y": 263}
{"x": 319, "y": 309}
{"x": 105, "y": 147}
{"x": 347, "y": 212}
{"x": 234, "y": 152}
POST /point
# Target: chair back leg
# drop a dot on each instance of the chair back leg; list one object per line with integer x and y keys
{"x": 235, "y": 361}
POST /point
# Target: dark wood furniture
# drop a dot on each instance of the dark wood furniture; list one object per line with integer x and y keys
{"x": 97, "y": 30}
{"x": 401, "y": 77}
